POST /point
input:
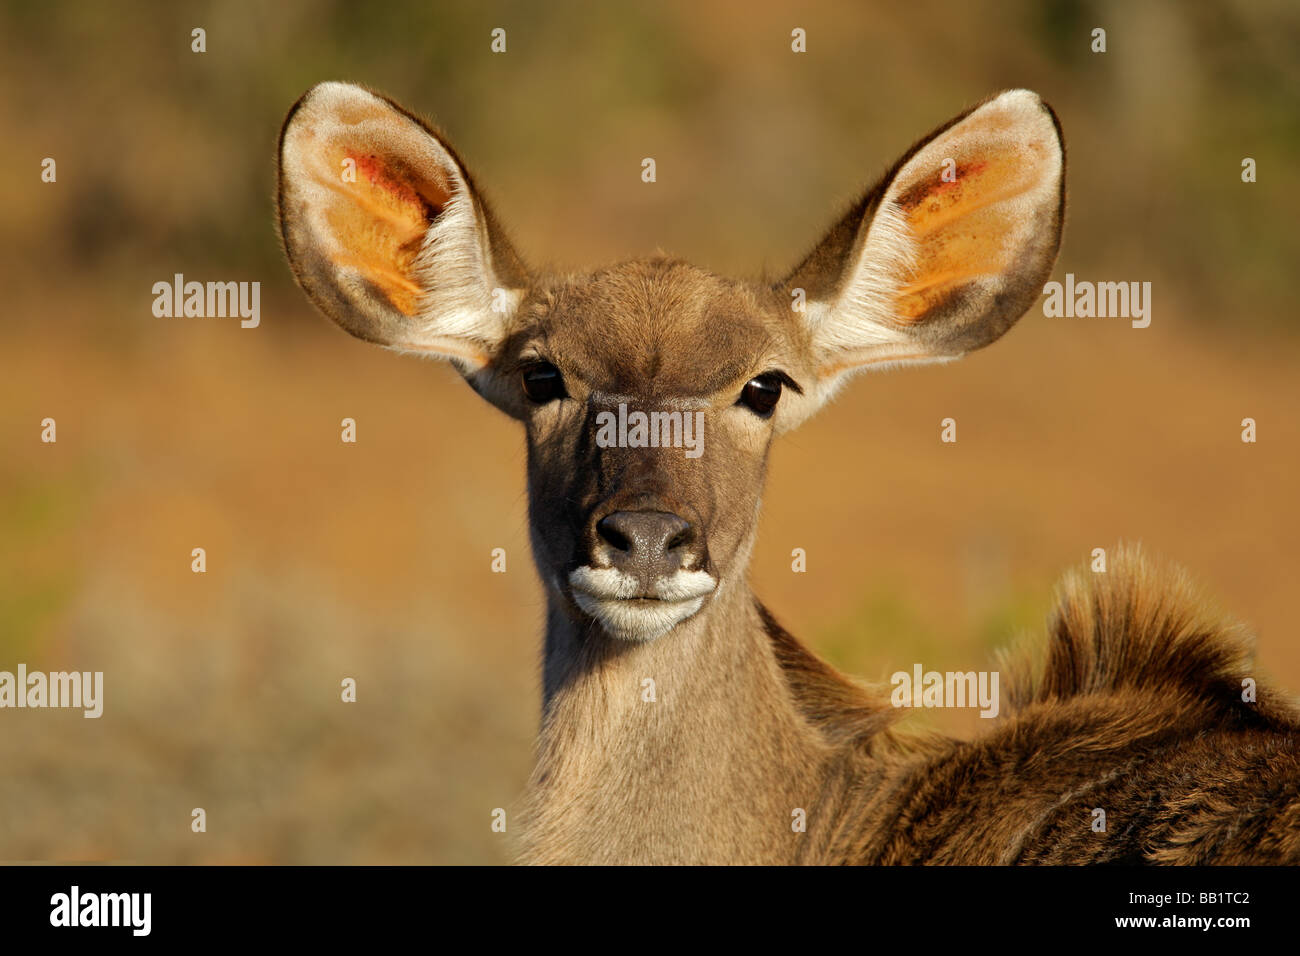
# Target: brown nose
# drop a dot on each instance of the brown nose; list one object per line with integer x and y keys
{"x": 649, "y": 544}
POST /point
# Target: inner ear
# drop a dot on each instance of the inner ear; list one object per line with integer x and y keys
{"x": 384, "y": 229}
{"x": 374, "y": 183}
{"x": 973, "y": 202}
{"x": 949, "y": 250}
{"x": 380, "y": 218}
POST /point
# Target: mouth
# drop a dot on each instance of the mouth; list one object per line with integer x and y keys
{"x": 630, "y": 611}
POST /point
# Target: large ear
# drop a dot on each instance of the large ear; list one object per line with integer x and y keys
{"x": 947, "y": 251}
{"x": 386, "y": 233}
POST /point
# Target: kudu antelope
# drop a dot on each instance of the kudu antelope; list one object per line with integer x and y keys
{"x": 643, "y": 549}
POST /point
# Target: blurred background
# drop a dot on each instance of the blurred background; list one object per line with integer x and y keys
{"x": 372, "y": 561}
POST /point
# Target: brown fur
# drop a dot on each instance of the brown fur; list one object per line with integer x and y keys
{"x": 1136, "y": 710}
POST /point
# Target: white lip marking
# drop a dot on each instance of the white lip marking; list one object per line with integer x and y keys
{"x": 618, "y": 602}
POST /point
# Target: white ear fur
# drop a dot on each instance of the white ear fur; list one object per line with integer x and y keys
{"x": 368, "y": 268}
{"x": 861, "y": 316}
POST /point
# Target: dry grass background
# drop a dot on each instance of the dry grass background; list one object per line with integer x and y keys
{"x": 372, "y": 561}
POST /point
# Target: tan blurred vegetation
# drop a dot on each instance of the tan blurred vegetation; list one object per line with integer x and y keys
{"x": 372, "y": 561}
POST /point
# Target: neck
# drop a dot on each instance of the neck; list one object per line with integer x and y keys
{"x": 696, "y": 747}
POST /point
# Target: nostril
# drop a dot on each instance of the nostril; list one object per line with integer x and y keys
{"x": 681, "y": 539}
{"x": 607, "y": 528}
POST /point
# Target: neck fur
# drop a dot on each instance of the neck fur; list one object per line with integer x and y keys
{"x": 711, "y": 769}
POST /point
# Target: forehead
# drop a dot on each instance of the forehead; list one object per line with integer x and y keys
{"x": 658, "y": 326}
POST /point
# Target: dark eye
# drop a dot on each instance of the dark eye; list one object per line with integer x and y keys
{"x": 761, "y": 394}
{"x": 543, "y": 382}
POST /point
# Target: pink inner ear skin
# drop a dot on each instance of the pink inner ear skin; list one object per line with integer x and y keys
{"x": 935, "y": 186}
{"x": 430, "y": 199}
{"x": 970, "y": 169}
